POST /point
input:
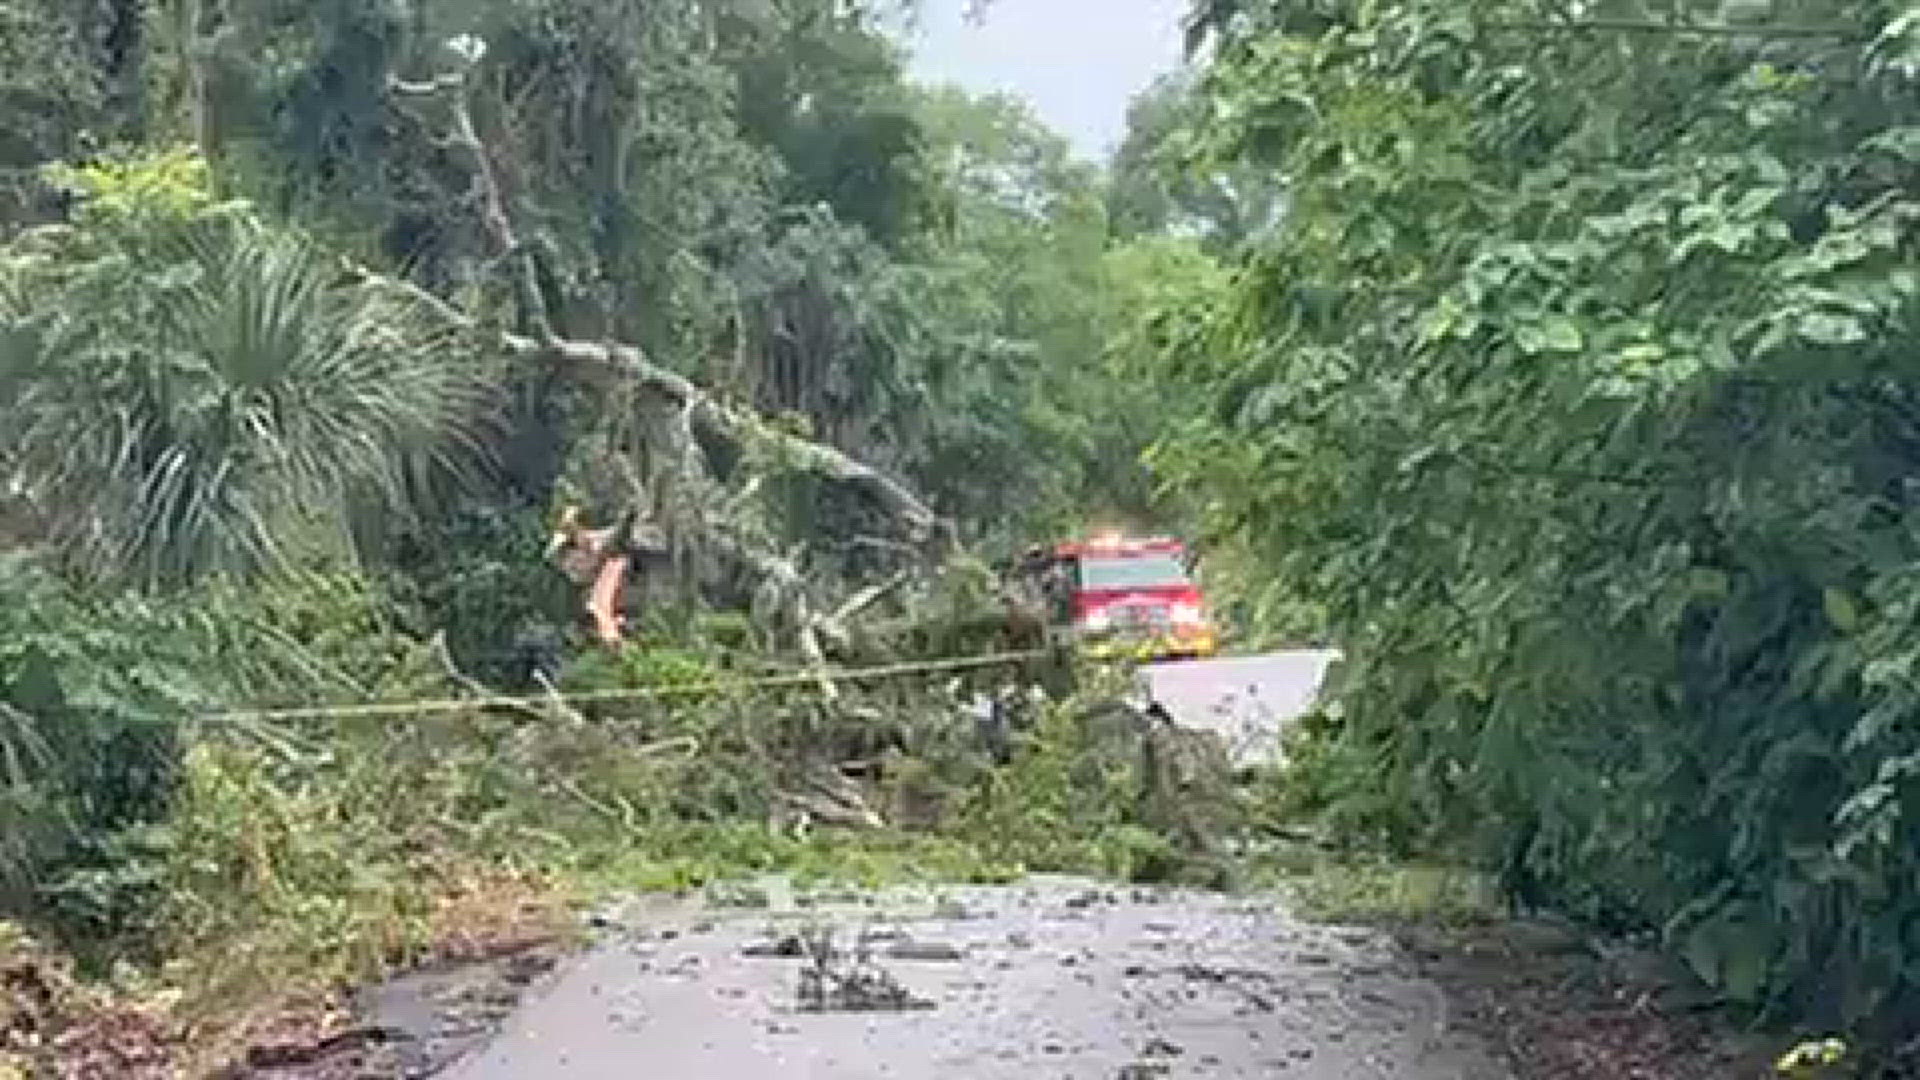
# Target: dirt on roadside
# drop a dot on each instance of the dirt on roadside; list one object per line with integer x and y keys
{"x": 1559, "y": 1006}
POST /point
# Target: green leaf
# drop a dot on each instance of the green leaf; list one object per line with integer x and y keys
{"x": 1744, "y": 966}
{"x": 1642, "y": 354}
{"x": 1759, "y": 200}
{"x": 1551, "y": 335}
{"x": 1841, "y": 610}
{"x": 1831, "y": 328}
{"x": 1707, "y": 583}
{"x": 1901, "y": 142}
{"x": 1730, "y": 237}
{"x": 1562, "y": 335}
{"x": 35, "y": 684}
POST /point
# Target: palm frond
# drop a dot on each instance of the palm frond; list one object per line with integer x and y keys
{"x": 215, "y": 401}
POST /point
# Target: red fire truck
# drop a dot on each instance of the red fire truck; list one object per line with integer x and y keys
{"x": 1127, "y": 597}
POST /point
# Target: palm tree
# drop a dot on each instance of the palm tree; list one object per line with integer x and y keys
{"x": 207, "y": 397}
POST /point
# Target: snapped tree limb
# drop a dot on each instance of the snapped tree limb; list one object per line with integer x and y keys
{"x": 615, "y": 363}
{"x": 736, "y": 426}
{"x": 450, "y": 89}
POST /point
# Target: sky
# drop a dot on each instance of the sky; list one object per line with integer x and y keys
{"x": 1077, "y": 61}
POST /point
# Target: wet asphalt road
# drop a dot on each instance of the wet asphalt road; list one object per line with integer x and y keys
{"x": 1050, "y": 979}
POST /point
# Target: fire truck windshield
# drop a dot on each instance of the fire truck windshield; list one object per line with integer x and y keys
{"x": 1154, "y": 571}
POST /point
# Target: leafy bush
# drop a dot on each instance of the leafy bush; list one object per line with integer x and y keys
{"x": 477, "y": 575}
{"x": 92, "y": 696}
{"x": 1096, "y": 788}
{"x": 100, "y": 695}
{"x": 639, "y": 665}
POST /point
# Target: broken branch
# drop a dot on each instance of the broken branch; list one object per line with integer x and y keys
{"x": 621, "y": 362}
{"x": 626, "y": 362}
{"x": 451, "y": 89}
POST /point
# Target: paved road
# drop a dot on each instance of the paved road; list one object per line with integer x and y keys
{"x": 1053, "y": 979}
{"x": 1247, "y": 699}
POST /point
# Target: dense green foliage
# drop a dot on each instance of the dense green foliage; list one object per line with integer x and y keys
{"x": 188, "y": 392}
{"x": 1560, "y": 373}
{"x": 87, "y": 725}
{"x": 1578, "y": 387}
{"x": 283, "y": 427}
{"x": 751, "y": 192}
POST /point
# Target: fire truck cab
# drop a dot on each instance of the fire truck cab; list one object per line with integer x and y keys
{"x": 1129, "y": 597}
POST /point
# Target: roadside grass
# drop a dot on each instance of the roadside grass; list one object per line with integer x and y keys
{"x": 284, "y": 985}
{"x": 1361, "y": 887}
{"x": 1369, "y": 892}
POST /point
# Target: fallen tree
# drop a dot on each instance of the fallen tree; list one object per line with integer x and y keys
{"x": 690, "y": 426}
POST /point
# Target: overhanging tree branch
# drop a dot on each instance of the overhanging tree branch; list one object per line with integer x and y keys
{"x": 688, "y": 419}
{"x": 617, "y": 362}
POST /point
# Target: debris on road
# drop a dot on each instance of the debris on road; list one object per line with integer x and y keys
{"x": 1160, "y": 983}
{"x": 830, "y": 984}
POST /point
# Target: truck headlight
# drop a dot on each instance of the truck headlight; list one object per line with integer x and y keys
{"x": 1187, "y": 615}
{"x": 1097, "y": 621}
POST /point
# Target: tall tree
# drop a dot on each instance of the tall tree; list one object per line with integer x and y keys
{"x": 822, "y": 86}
